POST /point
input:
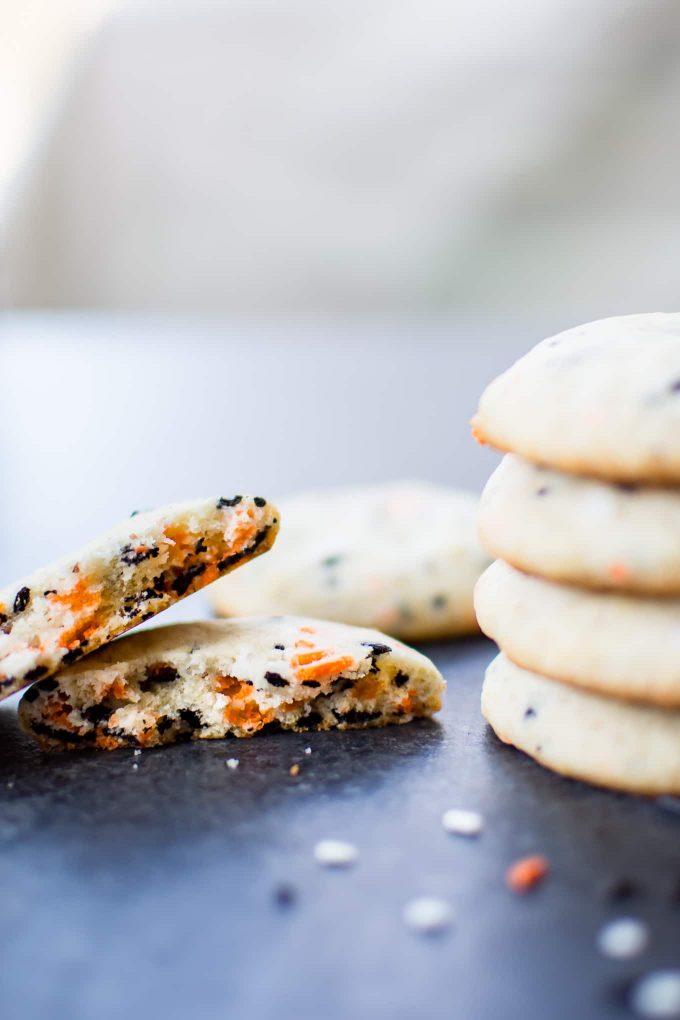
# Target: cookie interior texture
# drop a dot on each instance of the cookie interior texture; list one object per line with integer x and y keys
{"x": 602, "y": 740}
{"x": 213, "y": 679}
{"x": 141, "y": 567}
{"x": 401, "y": 557}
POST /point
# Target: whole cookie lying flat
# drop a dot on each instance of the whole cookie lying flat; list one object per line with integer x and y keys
{"x": 601, "y": 399}
{"x": 626, "y": 646}
{"x": 402, "y": 557}
{"x": 581, "y": 734}
{"x": 134, "y": 571}
{"x": 205, "y": 680}
{"x": 583, "y": 531}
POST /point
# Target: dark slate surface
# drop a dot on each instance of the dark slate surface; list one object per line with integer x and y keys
{"x": 150, "y": 891}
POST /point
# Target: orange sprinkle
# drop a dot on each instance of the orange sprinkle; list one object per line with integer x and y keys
{"x": 304, "y": 658}
{"x": 477, "y": 432}
{"x": 78, "y": 598}
{"x": 326, "y": 668}
{"x": 304, "y": 644}
{"x": 294, "y": 770}
{"x": 307, "y": 630}
{"x": 526, "y": 873}
{"x": 619, "y": 572}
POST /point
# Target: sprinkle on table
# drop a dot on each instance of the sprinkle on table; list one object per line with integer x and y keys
{"x": 657, "y": 994}
{"x": 294, "y": 770}
{"x": 526, "y": 873}
{"x": 463, "y": 823}
{"x": 427, "y": 915}
{"x": 334, "y": 853}
{"x": 308, "y": 750}
{"x": 231, "y": 763}
{"x": 623, "y": 938}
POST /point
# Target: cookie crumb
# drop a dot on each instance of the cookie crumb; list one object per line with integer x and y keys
{"x": 334, "y": 853}
{"x": 231, "y": 763}
{"x": 427, "y": 915}
{"x": 526, "y": 873}
{"x": 623, "y": 938}
{"x": 657, "y": 994}
{"x": 137, "y": 751}
{"x": 463, "y": 823}
{"x": 294, "y": 770}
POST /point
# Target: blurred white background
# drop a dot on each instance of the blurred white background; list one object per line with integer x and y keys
{"x": 358, "y": 159}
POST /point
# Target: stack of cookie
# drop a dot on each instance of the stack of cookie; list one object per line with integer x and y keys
{"x": 584, "y": 517}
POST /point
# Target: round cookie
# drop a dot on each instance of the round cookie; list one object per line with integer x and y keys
{"x": 402, "y": 557}
{"x": 583, "y": 735}
{"x": 203, "y": 681}
{"x": 600, "y": 399}
{"x": 624, "y": 646}
{"x": 580, "y": 530}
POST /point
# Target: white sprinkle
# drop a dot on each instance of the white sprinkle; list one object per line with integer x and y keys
{"x": 137, "y": 751}
{"x": 657, "y": 994}
{"x": 308, "y": 750}
{"x": 333, "y": 853}
{"x": 232, "y": 763}
{"x": 623, "y": 938}
{"x": 135, "y": 766}
{"x": 463, "y": 823}
{"x": 427, "y": 915}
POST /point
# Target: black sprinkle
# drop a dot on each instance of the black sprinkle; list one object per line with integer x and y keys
{"x": 184, "y": 580}
{"x": 23, "y": 597}
{"x": 160, "y": 673}
{"x": 376, "y": 647}
{"x": 71, "y": 656}
{"x": 543, "y": 491}
{"x": 355, "y": 715}
{"x": 311, "y": 683}
{"x": 50, "y": 591}
{"x": 31, "y": 694}
{"x": 285, "y": 895}
{"x": 164, "y": 724}
{"x": 331, "y": 561}
{"x": 132, "y": 557}
{"x": 65, "y": 736}
{"x": 530, "y": 713}
{"x": 36, "y": 673}
{"x": 96, "y": 713}
{"x": 280, "y": 648}
{"x": 191, "y": 718}
{"x": 275, "y": 679}
{"x": 147, "y": 616}
{"x": 230, "y": 561}
{"x": 50, "y": 684}
{"x": 201, "y": 547}
{"x": 258, "y": 501}
{"x": 439, "y": 601}
{"x": 400, "y": 679}
{"x": 223, "y": 501}
{"x": 3, "y": 618}
{"x": 311, "y": 720}
{"x": 621, "y": 890}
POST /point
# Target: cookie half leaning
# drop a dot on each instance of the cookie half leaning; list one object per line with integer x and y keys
{"x": 581, "y": 734}
{"x": 212, "y": 679}
{"x": 142, "y": 566}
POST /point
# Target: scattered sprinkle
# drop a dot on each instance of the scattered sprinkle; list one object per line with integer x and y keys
{"x": 308, "y": 750}
{"x": 333, "y": 853}
{"x": 427, "y": 914}
{"x": 294, "y": 770}
{"x": 657, "y": 994}
{"x": 135, "y": 765}
{"x": 463, "y": 823}
{"x": 137, "y": 751}
{"x": 526, "y": 873}
{"x": 285, "y": 894}
{"x": 623, "y": 938}
{"x": 231, "y": 763}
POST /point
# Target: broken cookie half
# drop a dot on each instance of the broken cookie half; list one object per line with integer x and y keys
{"x": 213, "y": 679}
{"x": 74, "y": 606}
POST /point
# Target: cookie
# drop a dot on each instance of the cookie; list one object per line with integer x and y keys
{"x": 402, "y": 557}
{"x": 213, "y": 679}
{"x": 581, "y": 734}
{"x": 622, "y": 645}
{"x": 582, "y": 531}
{"x": 62, "y": 611}
{"x": 602, "y": 399}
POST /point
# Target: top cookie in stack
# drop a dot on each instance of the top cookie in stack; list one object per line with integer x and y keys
{"x": 587, "y": 501}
